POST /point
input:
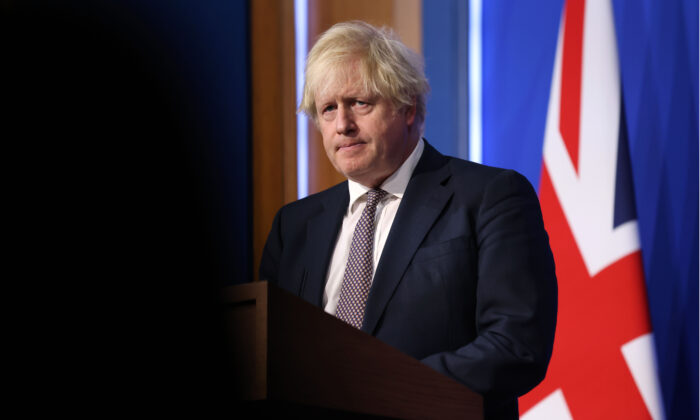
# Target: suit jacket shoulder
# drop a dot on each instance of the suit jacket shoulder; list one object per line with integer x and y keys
{"x": 300, "y": 241}
{"x": 481, "y": 178}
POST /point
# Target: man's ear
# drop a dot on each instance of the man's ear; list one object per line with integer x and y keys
{"x": 410, "y": 111}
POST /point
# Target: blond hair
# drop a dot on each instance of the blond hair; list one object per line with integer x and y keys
{"x": 387, "y": 67}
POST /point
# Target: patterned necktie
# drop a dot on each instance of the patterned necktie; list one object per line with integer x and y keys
{"x": 358, "y": 272}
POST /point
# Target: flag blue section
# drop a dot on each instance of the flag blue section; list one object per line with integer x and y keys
{"x": 625, "y": 209}
{"x": 658, "y": 49}
{"x": 519, "y": 44}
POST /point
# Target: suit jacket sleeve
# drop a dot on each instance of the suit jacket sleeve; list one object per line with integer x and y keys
{"x": 516, "y": 295}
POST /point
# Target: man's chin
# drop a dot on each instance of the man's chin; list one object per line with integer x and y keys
{"x": 354, "y": 176}
{"x": 357, "y": 176}
{"x": 352, "y": 169}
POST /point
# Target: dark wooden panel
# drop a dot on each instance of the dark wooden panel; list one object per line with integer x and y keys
{"x": 274, "y": 119}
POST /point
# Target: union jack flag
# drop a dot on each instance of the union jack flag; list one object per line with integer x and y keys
{"x": 603, "y": 361}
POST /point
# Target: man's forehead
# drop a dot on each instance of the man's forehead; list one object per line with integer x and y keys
{"x": 341, "y": 83}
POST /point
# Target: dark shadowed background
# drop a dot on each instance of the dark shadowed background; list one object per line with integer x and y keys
{"x": 127, "y": 153}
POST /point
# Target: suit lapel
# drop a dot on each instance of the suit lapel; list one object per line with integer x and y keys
{"x": 422, "y": 203}
{"x": 321, "y": 233}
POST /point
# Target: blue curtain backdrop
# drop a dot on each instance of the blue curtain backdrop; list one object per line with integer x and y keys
{"x": 658, "y": 52}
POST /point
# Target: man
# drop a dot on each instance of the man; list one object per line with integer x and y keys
{"x": 446, "y": 260}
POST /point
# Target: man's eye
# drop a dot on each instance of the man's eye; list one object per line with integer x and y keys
{"x": 361, "y": 103}
{"x": 328, "y": 108}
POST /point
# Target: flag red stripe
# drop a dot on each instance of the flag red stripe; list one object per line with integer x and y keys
{"x": 569, "y": 117}
{"x": 597, "y": 315}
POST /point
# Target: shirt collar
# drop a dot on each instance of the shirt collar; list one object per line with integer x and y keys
{"x": 395, "y": 185}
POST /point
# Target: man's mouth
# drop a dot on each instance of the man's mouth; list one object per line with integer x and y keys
{"x": 349, "y": 146}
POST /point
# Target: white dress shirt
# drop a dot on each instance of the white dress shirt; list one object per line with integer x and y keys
{"x": 395, "y": 186}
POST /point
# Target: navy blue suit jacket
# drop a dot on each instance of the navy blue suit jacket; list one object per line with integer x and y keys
{"x": 465, "y": 282}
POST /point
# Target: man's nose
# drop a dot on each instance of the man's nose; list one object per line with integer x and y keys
{"x": 345, "y": 121}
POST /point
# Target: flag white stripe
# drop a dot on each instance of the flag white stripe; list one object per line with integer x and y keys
{"x": 639, "y": 356}
{"x": 552, "y": 407}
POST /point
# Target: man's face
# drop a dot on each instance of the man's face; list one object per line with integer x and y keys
{"x": 365, "y": 137}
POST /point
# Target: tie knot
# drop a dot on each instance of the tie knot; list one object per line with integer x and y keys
{"x": 374, "y": 196}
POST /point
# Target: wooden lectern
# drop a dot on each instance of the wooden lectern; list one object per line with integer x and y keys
{"x": 289, "y": 356}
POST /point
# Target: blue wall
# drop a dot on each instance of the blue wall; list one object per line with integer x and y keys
{"x": 444, "y": 49}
